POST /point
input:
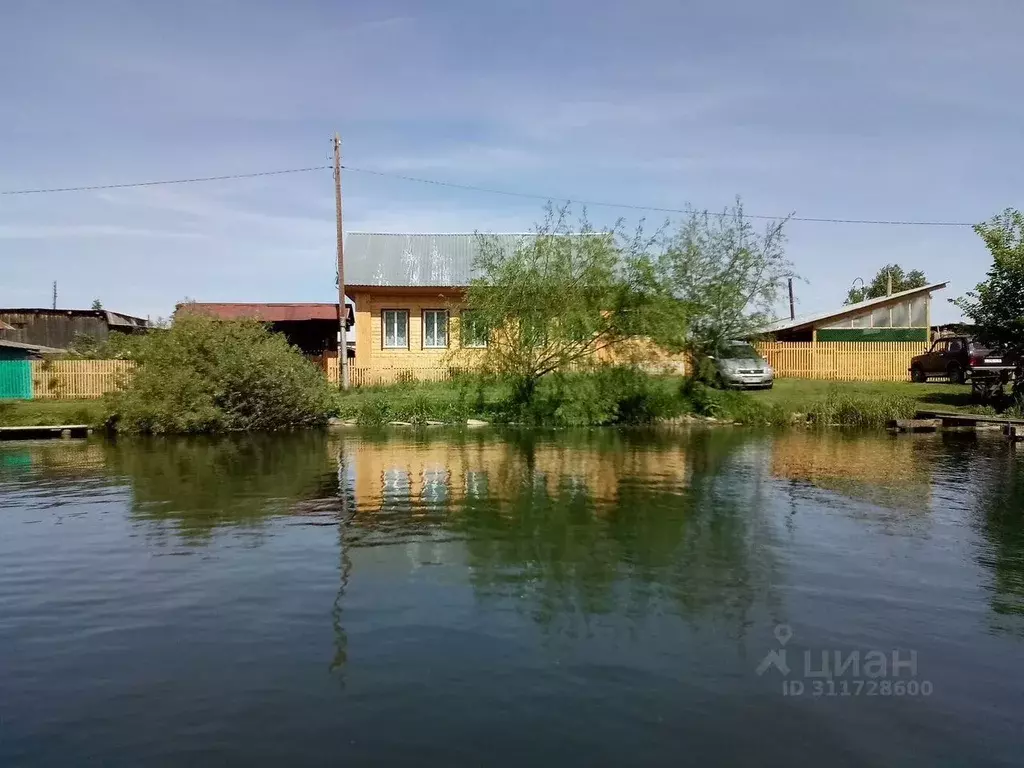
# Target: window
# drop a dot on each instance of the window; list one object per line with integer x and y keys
{"x": 956, "y": 346}
{"x": 395, "y": 328}
{"x": 880, "y": 317}
{"x": 435, "y": 328}
{"x": 940, "y": 346}
{"x": 901, "y": 315}
{"x": 474, "y": 334}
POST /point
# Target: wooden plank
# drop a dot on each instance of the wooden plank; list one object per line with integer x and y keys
{"x": 915, "y": 425}
{"x": 48, "y": 431}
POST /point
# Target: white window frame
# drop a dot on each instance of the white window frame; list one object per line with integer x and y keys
{"x": 463, "y": 318}
{"x": 426, "y": 342}
{"x": 395, "y": 344}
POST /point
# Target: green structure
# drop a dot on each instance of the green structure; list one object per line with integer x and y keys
{"x": 899, "y": 317}
{"x": 15, "y": 372}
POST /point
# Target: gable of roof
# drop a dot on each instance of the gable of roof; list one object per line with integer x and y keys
{"x": 848, "y": 309}
{"x": 416, "y": 260}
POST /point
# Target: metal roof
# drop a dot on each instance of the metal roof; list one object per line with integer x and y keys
{"x": 800, "y": 322}
{"x": 111, "y": 318}
{"x": 34, "y": 348}
{"x": 427, "y": 260}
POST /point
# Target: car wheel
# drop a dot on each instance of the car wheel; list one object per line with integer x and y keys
{"x": 917, "y": 375}
{"x": 955, "y": 373}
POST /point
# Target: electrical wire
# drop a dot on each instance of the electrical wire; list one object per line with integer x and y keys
{"x": 485, "y": 190}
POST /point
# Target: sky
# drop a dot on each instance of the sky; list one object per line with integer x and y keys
{"x": 880, "y": 109}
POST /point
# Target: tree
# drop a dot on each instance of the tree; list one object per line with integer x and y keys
{"x": 726, "y": 274}
{"x": 562, "y": 296}
{"x": 208, "y": 375}
{"x": 879, "y": 285}
{"x": 97, "y": 304}
{"x": 996, "y": 306}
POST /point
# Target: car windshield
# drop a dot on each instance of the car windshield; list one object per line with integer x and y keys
{"x": 739, "y": 352}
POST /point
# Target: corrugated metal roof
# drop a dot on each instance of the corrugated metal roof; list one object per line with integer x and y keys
{"x": 788, "y": 325}
{"x": 270, "y": 313}
{"x": 112, "y": 318}
{"x": 35, "y": 348}
{"x": 429, "y": 260}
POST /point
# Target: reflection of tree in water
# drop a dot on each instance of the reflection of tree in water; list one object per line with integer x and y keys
{"x": 998, "y": 481}
{"x": 198, "y": 484}
{"x": 567, "y": 553}
{"x": 346, "y": 499}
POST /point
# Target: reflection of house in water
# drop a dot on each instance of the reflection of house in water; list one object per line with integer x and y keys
{"x": 883, "y": 470}
{"x": 395, "y": 475}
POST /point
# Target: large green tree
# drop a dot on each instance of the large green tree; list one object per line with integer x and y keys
{"x": 996, "y": 306}
{"x": 727, "y": 273}
{"x": 879, "y": 285}
{"x": 563, "y": 295}
{"x": 569, "y": 291}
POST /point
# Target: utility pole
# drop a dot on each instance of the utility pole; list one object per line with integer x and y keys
{"x": 792, "y": 306}
{"x": 54, "y": 294}
{"x": 342, "y": 306}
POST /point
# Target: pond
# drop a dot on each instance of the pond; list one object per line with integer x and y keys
{"x": 518, "y": 598}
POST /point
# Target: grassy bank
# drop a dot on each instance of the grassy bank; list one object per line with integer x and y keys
{"x": 584, "y": 399}
{"x": 603, "y": 399}
{"x": 793, "y": 394}
{"x": 38, "y": 413}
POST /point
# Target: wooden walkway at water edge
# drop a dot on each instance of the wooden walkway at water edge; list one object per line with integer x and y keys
{"x": 933, "y": 421}
{"x": 49, "y": 431}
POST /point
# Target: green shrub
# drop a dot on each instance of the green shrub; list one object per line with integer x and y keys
{"x": 842, "y": 409}
{"x": 373, "y": 411}
{"x": 610, "y": 395}
{"x": 731, "y": 405}
{"x": 206, "y": 375}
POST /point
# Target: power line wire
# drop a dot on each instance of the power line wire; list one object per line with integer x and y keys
{"x": 194, "y": 180}
{"x": 598, "y": 203}
{"x": 486, "y": 190}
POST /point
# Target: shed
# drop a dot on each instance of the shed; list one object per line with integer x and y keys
{"x": 899, "y": 317}
{"x": 16, "y": 368}
{"x": 310, "y": 326}
{"x": 57, "y": 328}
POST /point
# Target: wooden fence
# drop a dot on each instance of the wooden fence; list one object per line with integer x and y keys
{"x": 838, "y": 361}
{"x": 842, "y": 360}
{"x": 73, "y": 379}
{"x": 372, "y": 377}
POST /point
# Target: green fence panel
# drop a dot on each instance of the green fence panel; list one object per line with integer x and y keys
{"x": 15, "y": 379}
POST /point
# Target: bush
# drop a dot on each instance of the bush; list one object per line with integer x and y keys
{"x": 619, "y": 395}
{"x": 731, "y": 405}
{"x": 206, "y": 375}
{"x": 846, "y": 410}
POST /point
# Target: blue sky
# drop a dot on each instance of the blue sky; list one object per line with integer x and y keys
{"x": 894, "y": 110}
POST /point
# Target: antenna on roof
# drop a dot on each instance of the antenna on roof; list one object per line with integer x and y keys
{"x": 54, "y": 294}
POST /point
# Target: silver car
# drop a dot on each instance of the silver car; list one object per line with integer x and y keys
{"x": 739, "y": 365}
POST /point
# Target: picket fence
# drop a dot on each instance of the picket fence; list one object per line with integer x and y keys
{"x": 77, "y": 379}
{"x": 842, "y": 360}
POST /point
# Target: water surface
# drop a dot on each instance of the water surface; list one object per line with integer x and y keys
{"x": 512, "y": 599}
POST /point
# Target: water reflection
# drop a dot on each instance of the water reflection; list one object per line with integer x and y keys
{"x": 608, "y": 593}
{"x": 566, "y": 525}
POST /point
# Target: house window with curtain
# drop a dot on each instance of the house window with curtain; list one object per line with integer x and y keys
{"x": 435, "y": 328}
{"x": 395, "y": 328}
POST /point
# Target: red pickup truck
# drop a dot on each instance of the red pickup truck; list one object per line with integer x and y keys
{"x": 961, "y": 359}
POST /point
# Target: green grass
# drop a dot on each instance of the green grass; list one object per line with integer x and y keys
{"x": 36, "y": 413}
{"x": 794, "y": 395}
{"x": 418, "y": 402}
{"x": 868, "y": 404}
